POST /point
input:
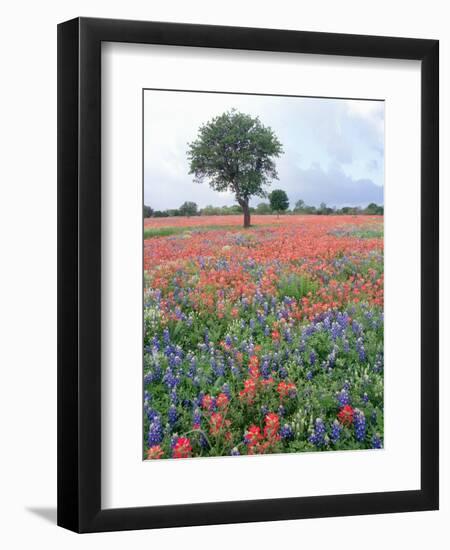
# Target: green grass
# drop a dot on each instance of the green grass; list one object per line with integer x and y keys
{"x": 296, "y": 286}
{"x": 152, "y": 232}
{"x": 359, "y": 233}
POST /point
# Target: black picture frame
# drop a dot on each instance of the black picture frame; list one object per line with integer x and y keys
{"x": 79, "y": 274}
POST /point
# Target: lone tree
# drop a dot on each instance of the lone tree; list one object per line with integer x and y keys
{"x": 148, "y": 211}
{"x": 235, "y": 152}
{"x": 279, "y": 201}
{"x": 188, "y": 208}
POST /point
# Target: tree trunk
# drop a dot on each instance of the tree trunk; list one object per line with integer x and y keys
{"x": 246, "y": 210}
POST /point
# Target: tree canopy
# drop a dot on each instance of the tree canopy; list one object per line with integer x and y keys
{"x": 148, "y": 211}
{"x": 263, "y": 208}
{"x": 235, "y": 152}
{"x": 188, "y": 208}
{"x": 279, "y": 201}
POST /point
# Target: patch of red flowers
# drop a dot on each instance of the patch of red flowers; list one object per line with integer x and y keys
{"x": 182, "y": 448}
{"x": 222, "y": 401}
{"x": 345, "y": 415}
{"x": 253, "y": 366}
{"x": 207, "y": 402}
{"x": 217, "y": 422}
{"x": 272, "y": 425}
{"x": 286, "y": 389}
{"x": 253, "y": 435}
{"x": 259, "y": 443}
{"x": 248, "y": 394}
{"x": 155, "y": 452}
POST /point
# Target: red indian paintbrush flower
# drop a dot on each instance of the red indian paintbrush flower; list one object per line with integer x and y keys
{"x": 207, "y": 402}
{"x": 183, "y": 448}
{"x": 286, "y": 389}
{"x": 249, "y": 392}
{"x": 155, "y": 452}
{"x": 253, "y": 435}
{"x": 253, "y": 366}
{"x": 345, "y": 415}
{"x": 215, "y": 423}
{"x": 222, "y": 400}
{"x": 272, "y": 425}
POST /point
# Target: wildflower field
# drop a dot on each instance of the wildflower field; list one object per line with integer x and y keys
{"x": 263, "y": 340}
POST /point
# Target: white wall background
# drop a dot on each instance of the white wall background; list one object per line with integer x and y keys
{"x": 28, "y": 270}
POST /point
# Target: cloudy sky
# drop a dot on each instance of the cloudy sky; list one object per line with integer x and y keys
{"x": 333, "y": 148}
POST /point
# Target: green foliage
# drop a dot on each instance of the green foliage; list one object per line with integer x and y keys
{"x": 191, "y": 209}
{"x": 279, "y": 201}
{"x": 302, "y": 208}
{"x": 296, "y": 286}
{"x": 374, "y": 209}
{"x": 172, "y": 212}
{"x": 263, "y": 208}
{"x": 188, "y": 208}
{"x": 148, "y": 211}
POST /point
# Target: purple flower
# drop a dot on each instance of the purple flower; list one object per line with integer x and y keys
{"x": 282, "y": 372}
{"x": 376, "y": 442}
{"x": 197, "y": 418}
{"x": 203, "y": 441}
{"x": 317, "y": 438}
{"x": 155, "y": 344}
{"x": 378, "y": 365}
{"x": 345, "y": 345}
{"x": 147, "y": 399}
{"x": 170, "y": 379}
{"x": 166, "y": 336}
{"x": 226, "y": 390}
{"x": 336, "y": 330}
{"x": 359, "y": 421}
{"x": 155, "y": 432}
{"x": 360, "y": 349}
{"x": 265, "y": 369}
{"x": 336, "y": 430}
{"x": 356, "y": 327}
{"x": 192, "y": 368}
{"x": 172, "y": 415}
{"x": 343, "y": 397}
{"x": 286, "y": 432}
{"x": 174, "y": 396}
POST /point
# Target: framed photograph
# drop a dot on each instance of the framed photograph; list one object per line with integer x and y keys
{"x": 247, "y": 275}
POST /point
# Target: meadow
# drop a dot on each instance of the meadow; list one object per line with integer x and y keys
{"x": 262, "y": 340}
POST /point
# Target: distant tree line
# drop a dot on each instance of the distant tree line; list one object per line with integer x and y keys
{"x": 371, "y": 209}
{"x": 279, "y": 204}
